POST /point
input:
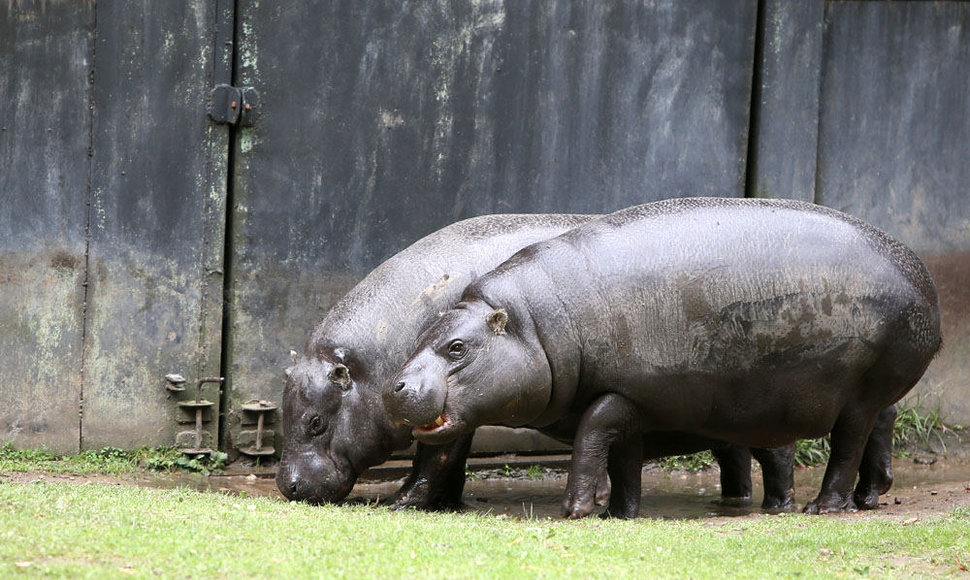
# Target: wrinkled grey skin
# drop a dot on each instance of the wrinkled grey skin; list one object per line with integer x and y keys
{"x": 334, "y": 422}
{"x": 756, "y": 322}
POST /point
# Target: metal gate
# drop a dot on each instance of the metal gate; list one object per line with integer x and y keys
{"x": 189, "y": 186}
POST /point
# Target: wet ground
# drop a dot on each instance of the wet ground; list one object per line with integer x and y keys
{"x": 920, "y": 491}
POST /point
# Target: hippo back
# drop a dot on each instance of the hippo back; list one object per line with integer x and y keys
{"x": 379, "y": 320}
{"x": 698, "y": 286}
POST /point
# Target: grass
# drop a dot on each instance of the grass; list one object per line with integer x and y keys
{"x": 65, "y": 530}
{"x": 110, "y": 460}
{"x": 101, "y": 531}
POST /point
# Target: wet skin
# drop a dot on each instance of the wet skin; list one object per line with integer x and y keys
{"x": 334, "y": 422}
{"x": 753, "y": 322}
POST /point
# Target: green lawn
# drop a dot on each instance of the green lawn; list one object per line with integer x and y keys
{"x": 101, "y": 531}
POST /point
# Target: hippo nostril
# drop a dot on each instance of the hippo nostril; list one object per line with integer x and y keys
{"x": 399, "y": 387}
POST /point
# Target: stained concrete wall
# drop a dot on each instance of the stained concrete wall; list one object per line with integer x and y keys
{"x": 894, "y": 131}
{"x": 380, "y": 122}
{"x": 111, "y": 235}
{"x": 380, "y": 125}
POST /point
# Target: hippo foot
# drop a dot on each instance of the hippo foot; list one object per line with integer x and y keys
{"x": 584, "y": 491}
{"x": 830, "y": 505}
{"x": 577, "y": 510}
{"x": 413, "y": 495}
{"x": 732, "y": 501}
{"x": 397, "y": 503}
{"x": 779, "y": 504}
{"x": 612, "y": 513}
{"x": 867, "y": 496}
{"x": 868, "y": 501}
{"x": 578, "y": 503}
{"x": 407, "y": 502}
{"x": 424, "y": 494}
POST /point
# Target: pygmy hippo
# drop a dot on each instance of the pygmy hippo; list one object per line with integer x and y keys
{"x": 756, "y": 322}
{"x": 335, "y": 424}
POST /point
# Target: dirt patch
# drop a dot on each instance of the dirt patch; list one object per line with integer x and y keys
{"x": 921, "y": 491}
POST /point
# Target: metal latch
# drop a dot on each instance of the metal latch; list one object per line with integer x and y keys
{"x": 233, "y": 105}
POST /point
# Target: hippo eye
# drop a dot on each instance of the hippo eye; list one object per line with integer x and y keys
{"x": 456, "y": 349}
{"x": 315, "y": 426}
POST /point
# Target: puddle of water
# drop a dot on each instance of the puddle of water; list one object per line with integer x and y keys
{"x": 669, "y": 496}
{"x": 666, "y": 496}
{"x": 679, "y": 496}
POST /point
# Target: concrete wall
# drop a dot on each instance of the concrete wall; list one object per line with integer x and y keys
{"x": 140, "y": 238}
{"x": 112, "y": 230}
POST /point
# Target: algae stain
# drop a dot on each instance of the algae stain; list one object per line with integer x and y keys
{"x": 247, "y": 140}
{"x": 248, "y": 53}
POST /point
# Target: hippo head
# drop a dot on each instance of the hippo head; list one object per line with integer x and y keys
{"x": 477, "y": 365}
{"x": 333, "y": 428}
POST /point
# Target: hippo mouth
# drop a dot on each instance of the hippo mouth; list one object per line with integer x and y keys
{"x": 438, "y": 432}
{"x": 439, "y": 423}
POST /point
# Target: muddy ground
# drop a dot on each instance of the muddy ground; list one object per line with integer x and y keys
{"x": 924, "y": 488}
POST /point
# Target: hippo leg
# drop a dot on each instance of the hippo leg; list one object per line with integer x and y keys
{"x": 875, "y": 473}
{"x": 437, "y": 478}
{"x": 849, "y": 436}
{"x": 609, "y": 426}
{"x": 777, "y": 473}
{"x": 623, "y": 466}
{"x": 735, "y": 464}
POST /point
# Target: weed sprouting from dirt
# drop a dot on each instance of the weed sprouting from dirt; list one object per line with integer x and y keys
{"x": 918, "y": 424}
{"x": 692, "y": 462}
{"x": 812, "y": 452}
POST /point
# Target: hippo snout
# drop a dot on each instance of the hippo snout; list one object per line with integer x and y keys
{"x": 415, "y": 401}
{"x": 288, "y": 483}
{"x": 311, "y": 479}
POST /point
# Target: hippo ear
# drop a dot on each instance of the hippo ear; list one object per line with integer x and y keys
{"x": 340, "y": 375}
{"x": 497, "y": 320}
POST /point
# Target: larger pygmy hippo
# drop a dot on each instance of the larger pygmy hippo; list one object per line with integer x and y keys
{"x": 757, "y": 322}
{"x": 335, "y": 424}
